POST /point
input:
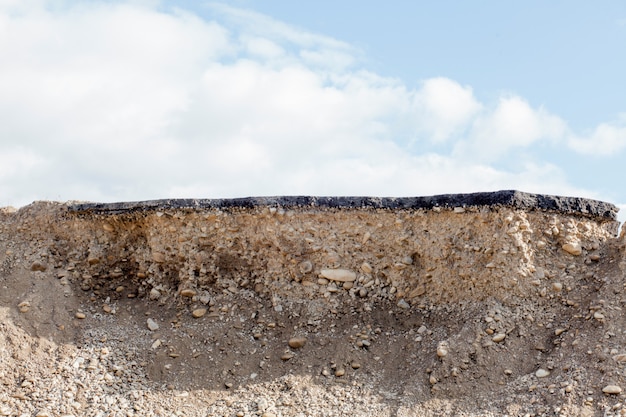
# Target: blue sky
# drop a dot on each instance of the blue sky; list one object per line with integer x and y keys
{"x": 131, "y": 100}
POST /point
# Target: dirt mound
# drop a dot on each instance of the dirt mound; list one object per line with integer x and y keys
{"x": 484, "y": 304}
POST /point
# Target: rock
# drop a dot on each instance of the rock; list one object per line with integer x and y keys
{"x": 573, "y": 248}
{"x": 612, "y": 389}
{"x": 557, "y": 286}
{"x": 297, "y": 342}
{"x": 342, "y": 275}
{"x": 403, "y": 304}
{"x": 80, "y": 315}
{"x": 499, "y": 337}
{"x": 152, "y": 325}
{"x": 198, "y": 312}
{"x": 442, "y": 350}
{"x": 598, "y": 316}
{"x": 158, "y": 257}
{"x": 340, "y": 372}
{"x": 366, "y": 268}
{"x": 286, "y": 356}
{"x": 24, "y": 307}
{"x": 355, "y": 365}
{"x": 154, "y": 294}
{"x": 542, "y": 373}
{"x": 38, "y": 266}
{"x": 187, "y": 293}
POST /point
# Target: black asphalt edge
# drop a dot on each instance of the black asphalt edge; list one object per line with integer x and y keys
{"x": 508, "y": 198}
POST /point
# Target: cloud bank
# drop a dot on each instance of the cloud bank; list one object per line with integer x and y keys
{"x": 127, "y": 101}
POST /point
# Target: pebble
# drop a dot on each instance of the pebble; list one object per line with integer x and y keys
{"x": 499, "y": 337}
{"x": 297, "y": 342}
{"x": 557, "y": 286}
{"x": 198, "y": 312}
{"x": 24, "y": 307}
{"x": 612, "y": 389}
{"x": 154, "y": 294}
{"x": 340, "y": 372}
{"x": 152, "y": 325}
{"x": 542, "y": 373}
{"x": 158, "y": 257}
{"x": 573, "y": 248}
{"x": 38, "y": 266}
{"x": 366, "y": 268}
{"x": 403, "y": 304}
{"x": 442, "y": 350}
{"x": 620, "y": 358}
{"x": 80, "y": 315}
{"x": 342, "y": 275}
{"x": 187, "y": 293}
{"x": 6, "y": 411}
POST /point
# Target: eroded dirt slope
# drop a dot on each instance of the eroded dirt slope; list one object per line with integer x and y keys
{"x": 252, "y": 311}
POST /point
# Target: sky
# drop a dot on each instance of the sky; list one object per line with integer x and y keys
{"x": 145, "y": 99}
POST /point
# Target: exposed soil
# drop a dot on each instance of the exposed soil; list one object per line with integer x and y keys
{"x": 483, "y": 312}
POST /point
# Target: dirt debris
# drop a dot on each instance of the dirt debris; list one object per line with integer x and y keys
{"x": 252, "y": 311}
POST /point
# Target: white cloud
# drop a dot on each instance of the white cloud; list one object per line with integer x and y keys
{"x": 118, "y": 101}
{"x": 606, "y": 139}
{"x": 512, "y": 124}
{"x": 445, "y": 108}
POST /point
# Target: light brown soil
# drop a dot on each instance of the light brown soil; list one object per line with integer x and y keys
{"x": 440, "y": 281}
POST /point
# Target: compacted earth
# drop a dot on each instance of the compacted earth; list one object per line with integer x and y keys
{"x": 476, "y": 305}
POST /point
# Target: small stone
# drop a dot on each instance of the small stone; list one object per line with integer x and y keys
{"x": 612, "y": 389}
{"x": 542, "y": 373}
{"x": 499, "y": 337}
{"x": 228, "y": 384}
{"x": 559, "y": 331}
{"x": 403, "y": 304}
{"x": 598, "y": 316}
{"x": 363, "y": 292}
{"x": 286, "y": 356}
{"x": 152, "y": 325}
{"x": 306, "y": 267}
{"x": 594, "y": 257}
{"x": 187, "y": 293}
{"x": 24, "y": 307}
{"x": 573, "y": 248}
{"x": 620, "y": 358}
{"x": 5, "y": 411}
{"x": 341, "y": 275}
{"x": 355, "y": 365}
{"x": 154, "y": 294}
{"x": 557, "y": 286}
{"x": 340, "y": 372}
{"x": 198, "y": 312}
{"x": 158, "y": 257}
{"x": 297, "y": 342}
{"x": 107, "y": 308}
{"x": 38, "y": 266}
{"x": 268, "y": 414}
{"x": 348, "y": 285}
{"x": 432, "y": 380}
{"x": 107, "y": 227}
{"x": 442, "y": 350}
{"x": 119, "y": 289}
{"x": 508, "y": 372}
{"x": 80, "y": 315}
{"x": 366, "y": 268}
